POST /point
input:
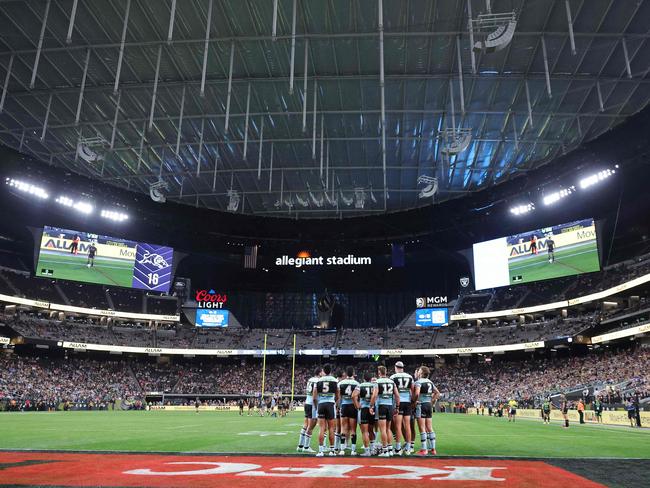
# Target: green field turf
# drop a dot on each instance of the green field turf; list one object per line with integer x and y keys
{"x": 572, "y": 261}
{"x": 214, "y": 432}
{"x": 105, "y": 272}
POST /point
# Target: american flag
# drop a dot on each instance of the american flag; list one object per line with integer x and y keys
{"x": 250, "y": 257}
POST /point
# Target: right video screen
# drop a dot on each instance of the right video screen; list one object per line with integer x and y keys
{"x": 540, "y": 254}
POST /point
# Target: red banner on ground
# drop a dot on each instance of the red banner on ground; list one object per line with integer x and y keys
{"x": 109, "y": 470}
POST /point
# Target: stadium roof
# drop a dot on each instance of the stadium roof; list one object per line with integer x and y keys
{"x": 127, "y": 87}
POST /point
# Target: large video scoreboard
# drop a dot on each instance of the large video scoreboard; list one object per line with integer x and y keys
{"x": 93, "y": 258}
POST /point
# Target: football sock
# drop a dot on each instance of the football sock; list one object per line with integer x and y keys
{"x": 423, "y": 440}
{"x": 301, "y": 439}
{"x": 432, "y": 440}
{"x": 354, "y": 442}
{"x": 307, "y": 441}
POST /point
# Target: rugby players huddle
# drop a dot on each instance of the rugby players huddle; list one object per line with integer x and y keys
{"x": 385, "y": 408}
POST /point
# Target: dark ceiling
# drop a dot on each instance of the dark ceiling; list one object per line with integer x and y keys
{"x": 144, "y": 84}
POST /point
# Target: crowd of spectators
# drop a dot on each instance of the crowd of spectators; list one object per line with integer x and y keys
{"x": 610, "y": 375}
{"x": 118, "y": 333}
{"x": 531, "y": 380}
{"x": 47, "y": 382}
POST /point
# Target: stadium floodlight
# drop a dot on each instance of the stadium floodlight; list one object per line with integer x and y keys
{"x": 114, "y": 215}
{"x": 555, "y": 197}
{"x": 596, "y": 178}
{"x": 522, "y": 209}
{"x": 28, "y": 188}
{"x": 83, "y": 207}
{"x": 80, "y": 206}
{"x": 63, "y": 200}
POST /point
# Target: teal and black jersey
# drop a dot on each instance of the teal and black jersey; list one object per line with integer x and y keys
{"x": 346, "y": 387}
{"x": 365, "y": 393}
{"x": 326, "y": 387}
{"x": 404, "y": 381}
{"x": 385, "y": 388}
{"x": 309, "y": 399}
{"x": 426, "y": 387}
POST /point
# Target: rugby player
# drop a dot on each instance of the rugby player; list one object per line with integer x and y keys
{"x": 546, "y": 411}
{"x": 92, "y": 251}
{"x": 311, "y": 416}
{"x": 326, "y": 396}
{"x": 361, "y": 397}
{"x": 373, "y": 431}
{"x": 417, "y": 410}
{"x": 512, "y": 410}
{"x": 550, "y": 249}
{"x": 349, "y": 412}
{"x": 598, "y": 410}
{"x": 565, "y": 412}
{"x": 340, "y": 376}
{"x": 426, "y": 394}
{"x": 405, "y": 387}
{"x": 385, "y": 393}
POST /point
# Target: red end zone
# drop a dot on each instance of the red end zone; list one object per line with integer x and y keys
{"x": 111, "y": 470}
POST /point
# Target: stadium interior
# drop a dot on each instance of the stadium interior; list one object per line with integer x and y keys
{"x": 206, "y": 201}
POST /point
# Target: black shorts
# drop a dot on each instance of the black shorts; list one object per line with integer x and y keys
{"x": 348, "y": 411}
{"x": 326, "y": 411}
{"x": 405, "y": 409}
{"x": 565, "y": 411}
{"x": 513, "y": 411}
{"x": 366, "y": 416}
{"x": 426, "y": 411}
{"x": 546, "y": 412}
{"x": 599, "y": 413}
{"x": 631, "y": 414}
{"x": 309, "y": 411}
{"x": 385, "y": 412}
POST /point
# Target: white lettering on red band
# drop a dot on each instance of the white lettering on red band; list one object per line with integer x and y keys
{"x": 447, "y": 473}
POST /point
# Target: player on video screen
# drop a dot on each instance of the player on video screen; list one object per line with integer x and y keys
{"x": 533, "y": 244}
{"x": 74, "y": 247}
{"x": 550, "y": 247}
{"x": 92, "y": 251}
